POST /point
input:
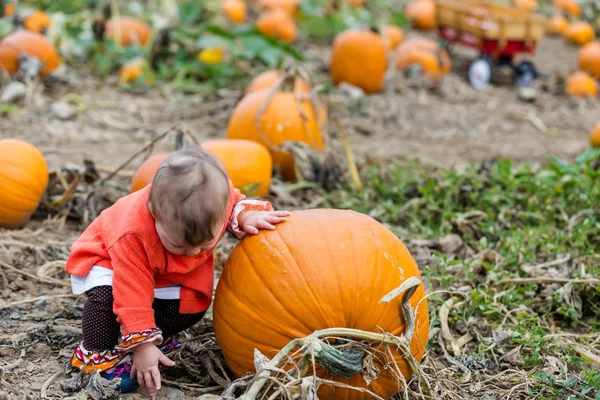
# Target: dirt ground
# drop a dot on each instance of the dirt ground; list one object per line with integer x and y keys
{"x": 450, "y": 124}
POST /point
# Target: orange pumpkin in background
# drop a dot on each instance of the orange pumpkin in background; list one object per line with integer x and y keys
{"x": 580, "y": 84}
{"x": 277, "y": 24}
{"x": 393, "y": 35}
{"x": 557, "y": 25}
{"x": 580, "y": 33}
{"x": 589, "y": 59}
{"x": 595, "y": 136}
{"x": 359, "y": 57}
{"x": 130, "y": 31}
{"x": 289, "y": 6}
{"x": 145, "y": 173}
{"x": 248, "y": 164}
{"x": 9, "y": 10}
{"x": 23, "y": 181}
{"x": 429, "y": 55}
{"x": 235, "y": 10}
{"x": 525, "y": 5}
{"x": 421, "y": 13}
{"x": 34, "y": 44}
{"x": 357, "y": 3}
{"x": 9, "y": 58}
{"x": 320, "y": 269}
{"x": 570, "y": 7}
{"x": 37, "y": 21}
{"x": 285, "y": 118}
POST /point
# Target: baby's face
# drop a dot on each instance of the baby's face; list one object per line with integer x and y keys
{"x": 174, "y": 247}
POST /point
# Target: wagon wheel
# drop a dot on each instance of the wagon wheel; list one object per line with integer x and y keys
{"x": 481, "y": 72}
{"x": 525, "y": 73}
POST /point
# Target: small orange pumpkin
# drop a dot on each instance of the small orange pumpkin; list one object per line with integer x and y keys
{"x": 9, "y": 58}
{"x": 131, "y": 31}
{"x": 278, "y": 24}
{"x": 289, "y": 6}
{"x": 421, "y": 13}
{"x": 571, "y": 7}
{"x": 268, "y": 79}
{"x": 23, "y": 181}
{"x": 428, "y": 54}
{"x": 595, "y": 136}
{"x": 359, "y": 57}
{"x": 580, "y": 84}
{"x": 394, "y": 35}
{"x": 284, "y": 119}
{"x": 144, "y": 174}
{"x": 525, "y": 5}
{"x": 557, "y": 25}
{"x": 320, "y": 269}
{"x": 36, "y": 45}
{"x": 589, "y": 59}
{"x": 357, "y": 3}
{"x": 580, "y": 33}
{"x": 9, "y": 10}
{"x": 134, "y": 70}
{"x": 248, "y": 164}
{"x": 37, "y": 21}
{"x": 235, "y": 10}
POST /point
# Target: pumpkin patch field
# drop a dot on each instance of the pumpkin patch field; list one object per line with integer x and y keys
{"x": 440, "y": 160}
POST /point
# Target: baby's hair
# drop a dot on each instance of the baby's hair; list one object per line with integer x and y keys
{"x": 189, "y": 195}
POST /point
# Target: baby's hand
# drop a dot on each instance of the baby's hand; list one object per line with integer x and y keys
{"x": 252, "y": 221}
{"x": 145, "y": 366}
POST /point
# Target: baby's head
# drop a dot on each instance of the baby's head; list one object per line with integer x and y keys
{"x": 188, "y": 200}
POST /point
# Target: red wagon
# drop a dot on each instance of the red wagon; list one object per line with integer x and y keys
{"x": 498, "y": 32}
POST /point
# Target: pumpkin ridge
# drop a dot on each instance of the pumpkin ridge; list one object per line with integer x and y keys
{"x": 29, "y": 172}
{"x": 323, "y": 314}
{"x": 244, "y": 251}
{"x": 22, "y": 195}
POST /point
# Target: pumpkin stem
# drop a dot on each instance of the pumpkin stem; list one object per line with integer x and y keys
{"x": 344, "y": 363}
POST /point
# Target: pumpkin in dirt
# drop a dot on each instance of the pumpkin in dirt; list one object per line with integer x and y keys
{"x": 570, "y": 7}
{"x": 134, "y": 70}
{"x": 34, "y": 44}
{"x": 235, "y": 10}
{"x": 289, "y": 6}
{"x": 433, "y": 60}
{"x": 580, "y": 84}
{"x": 421, "y": 13}
{"x": 23, "y": 181}
{"x": 277, "y": 24}
{"x": 248, "y": 164}
{"x": 127, "y": 31}
{"x": 37, "y": 21}
{"x": 9, "y": 58}
{"x": 268, "y": 79}
{"x": 557, "y": 25}
{"x": 285, "y": 118}
{"x": 320, "y": 269}
{"x": 393, "y": 35}
{"x": 525, "y": 5}
{"x": 595, "y": 136}
{"x": 145, "y": 173}
{"x": 359, "y": 57}
{"x": 589, "y": 59}
{"x": 580, "y": 33}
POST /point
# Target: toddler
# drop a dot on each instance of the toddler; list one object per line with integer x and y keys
{"x": 146, "y": 265}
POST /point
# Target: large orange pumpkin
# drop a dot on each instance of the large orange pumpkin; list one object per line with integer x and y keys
{"x": 557, "y": 25}
{"x": 23, "y": 181}
{"x": 277, "y": 24}
{"x": 9, "y": 58}
{"x": 36, "y": 45}
{"x": 235, "y": 10}
{"x": 320, "y": 269}
{"x": 144, "y": 174}
{"x": 580, "y": 84}
{"x": 359, "y": 57}
{"x": 421, "y": 13}
{"x": 394, "y": 35}
{"x": 571, "y": 7}
{"x": 580, "y": 33}
{"x": 289, "y": 6}
{"x": 589, "y": 59}
{"x": 433, "y": 59}
{"x": 268, "y": 79}
{"x": 248, "y": 164}
{"x": 595, "y": 136}
{"x": 284, "y": 119}
{"x": 131, "y": 31}
{"x": 37, "y": 21}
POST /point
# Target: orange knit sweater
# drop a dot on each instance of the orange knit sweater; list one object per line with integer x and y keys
{"x": 124, "y": 239}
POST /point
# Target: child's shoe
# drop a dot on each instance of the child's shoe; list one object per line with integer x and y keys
{"x": 122, "y": 371}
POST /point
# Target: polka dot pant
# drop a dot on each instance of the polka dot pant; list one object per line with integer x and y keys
{"x": 101, "y": 330}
